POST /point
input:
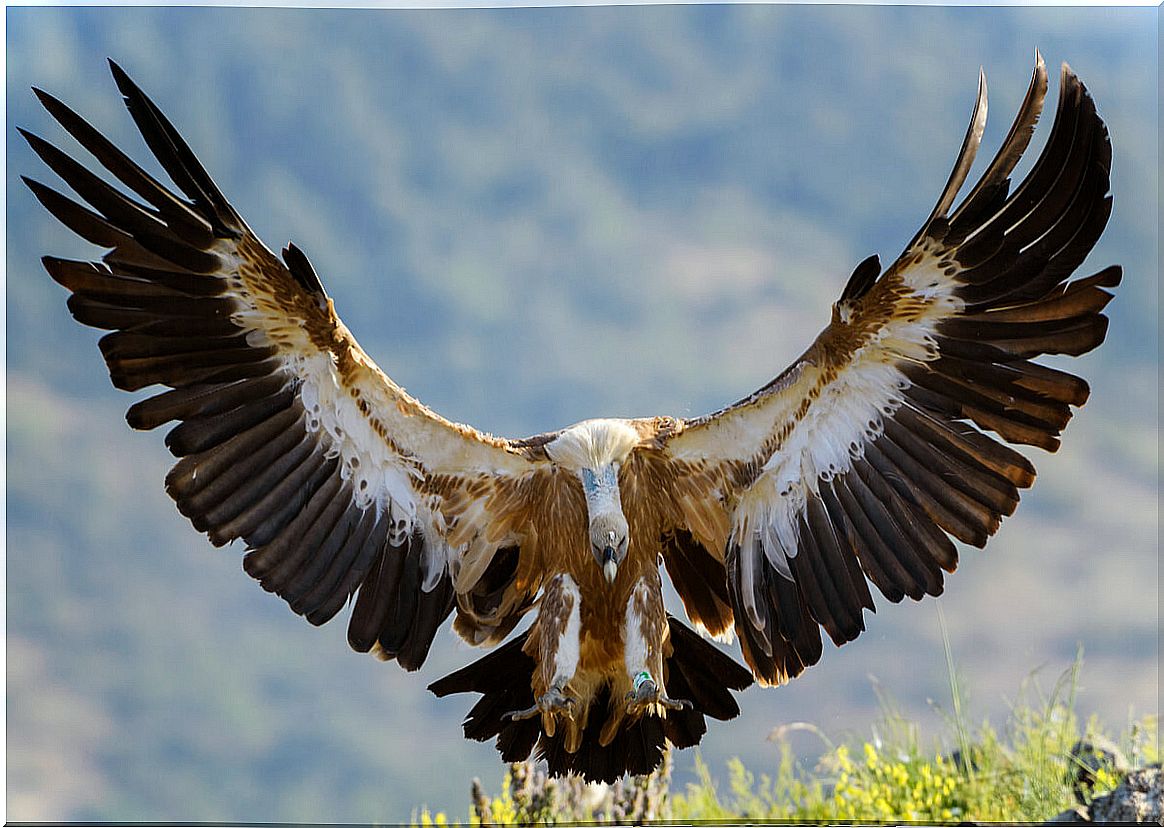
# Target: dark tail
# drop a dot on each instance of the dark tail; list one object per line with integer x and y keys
{"x": 696, "y": 671}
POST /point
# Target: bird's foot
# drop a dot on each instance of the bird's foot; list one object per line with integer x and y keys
{"x": 647, "y": 693}
{"x": 552, "y": 701}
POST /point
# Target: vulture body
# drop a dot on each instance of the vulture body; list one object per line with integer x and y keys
{"x": 857, "y": 465}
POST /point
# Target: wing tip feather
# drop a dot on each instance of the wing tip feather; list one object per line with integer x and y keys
{"x": 124, "y": 82}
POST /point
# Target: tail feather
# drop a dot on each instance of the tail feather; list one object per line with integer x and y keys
{"x": 503, "y": 678}
{"x": 637, "y": 747}
{"x": 696, "y": 670}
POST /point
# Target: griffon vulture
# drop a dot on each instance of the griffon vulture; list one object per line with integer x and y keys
{"x": 856, "y": 466}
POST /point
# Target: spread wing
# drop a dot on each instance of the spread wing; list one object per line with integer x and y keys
{"x": 290, "y": 437}
{"x": 862, "y": 460}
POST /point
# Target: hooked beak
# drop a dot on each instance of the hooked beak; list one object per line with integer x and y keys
{"x": 609, "y": 564}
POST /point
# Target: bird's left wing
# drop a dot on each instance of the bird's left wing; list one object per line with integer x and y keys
{"x": 290, "y": 437}
{"x": 868, "y": 453}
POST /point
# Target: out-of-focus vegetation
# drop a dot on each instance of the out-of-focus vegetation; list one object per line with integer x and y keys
{"x": 1027, "y": 773}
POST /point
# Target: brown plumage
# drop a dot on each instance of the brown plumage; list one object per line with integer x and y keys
{"x": 856, "y": 466}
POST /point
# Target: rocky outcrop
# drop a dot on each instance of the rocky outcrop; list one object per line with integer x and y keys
{"x": 1139, "y": 798}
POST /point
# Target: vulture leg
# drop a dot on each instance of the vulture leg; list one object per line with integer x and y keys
{"x": 555, "y": 644}
{"x": 644, "y": 636}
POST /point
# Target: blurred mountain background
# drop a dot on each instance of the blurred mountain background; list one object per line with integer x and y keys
{"x": 530, "y": 217}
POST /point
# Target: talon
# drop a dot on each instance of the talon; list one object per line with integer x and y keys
{"x": 647, "y": 693}
{"x": 644, "y": 692}
{"x": 552, "y": 701}
{"x": 675, "y": 704}
{"x": 519, "y": 715}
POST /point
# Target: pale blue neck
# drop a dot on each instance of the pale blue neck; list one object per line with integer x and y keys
{"x": 601, "y": 489}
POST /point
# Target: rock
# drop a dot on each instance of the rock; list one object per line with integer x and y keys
{"x": 1139, "y": 798}
{"x": 1072, "y": 816}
